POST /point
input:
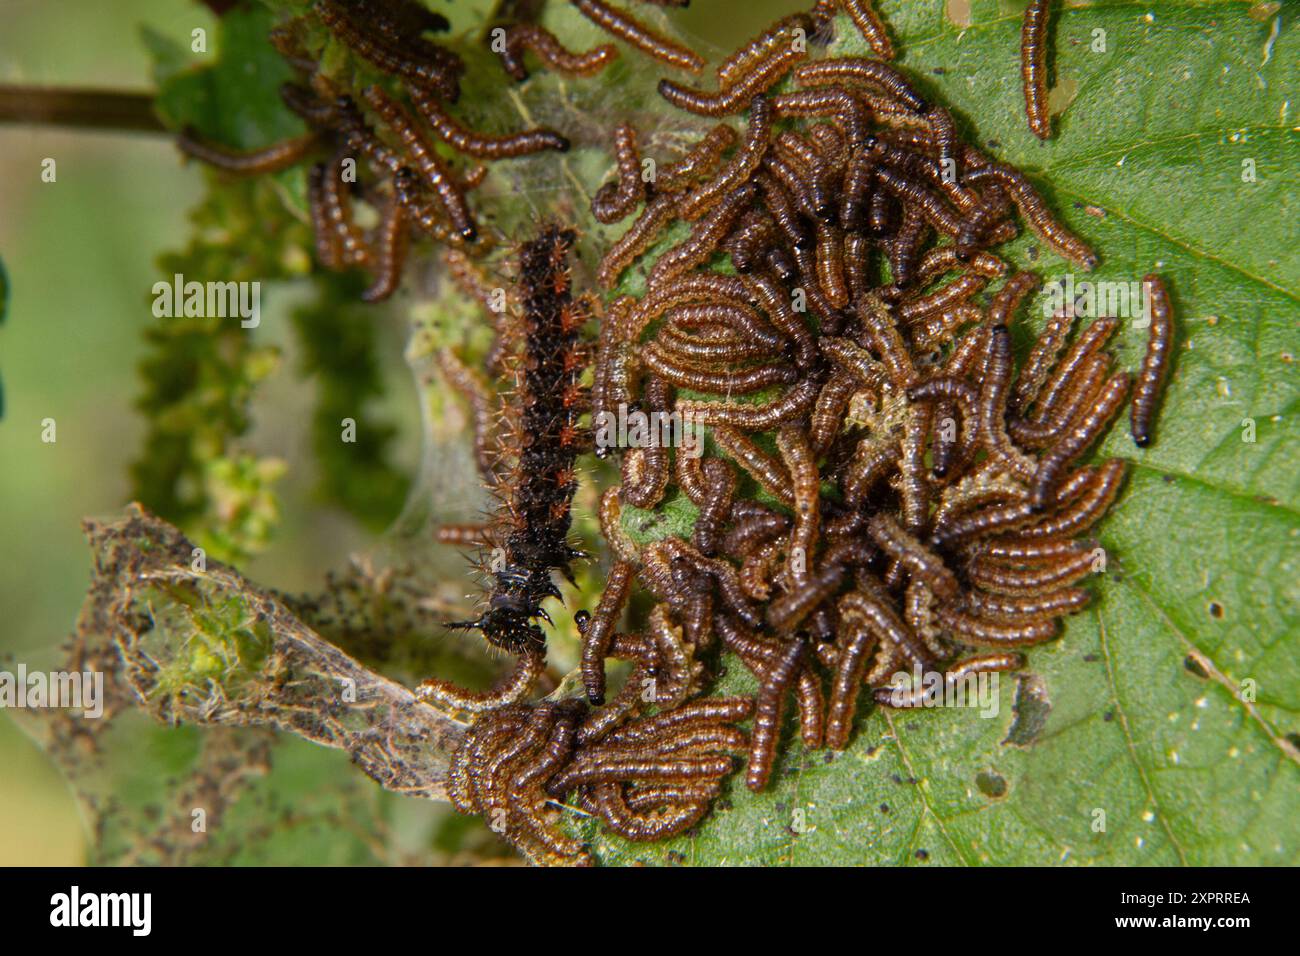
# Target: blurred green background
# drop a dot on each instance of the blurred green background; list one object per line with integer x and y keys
{"x": 80, "y": 254}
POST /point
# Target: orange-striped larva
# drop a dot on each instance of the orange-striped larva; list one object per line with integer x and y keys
{"x": 719, "y": 480}
{"x": 705, "y": 235}
{"x": 269, "y": 159}
{"x": 830, "y": 264}
{"x": 976, "y": 630}
{"x": 599, "y": 630}
{"x": 857, "y": 262}
{"x": 983, "y": 523}
{"x": 483, "y": 145}
{"x": 639, "y": 237}
{"x": 993, "y": 405}
{"x": 1039, "y": 579}
{"x": 750, "y": 417}
{"x": 628, "y": 29}
{"x": 1031, "y": 205}
{"x": 511, "y": 689}
{"x": 776, "y": 681}
{"x": 784, "y": 213}
{"x": 905, "y": 248}
{"x": 673, "y": 550}
{"x": 1084, "y": 432}
{"x": 953, "y": 676}
{"x": 1080, "y": 392}
{"x": 828, "y": 414}
{"x": 870, "y": 464}
{"x": 864, "y": 621}
{"x": 913, "y": 486}
{"x": 935, "y": 208}
{"x": 788, "y": 611}
{"x": 392, "y": 236}
{"x": 915, "y": 556}
{"x": 719, "y": 381}
{"x": 721, "y": 345}
{"x": 805, "y": 482}
{"x": 616, "y": 200}
{"x": 749, "y": 240}
{"x": 741, "y": 62}
{"x": 760, "y": 656}
{"x": 770, "y": 473}
{"x": 426, "y": 161}
{"x": 984, "y": 221}
{"x": 864, "y": 17}
{"x": 440, "y": 73}
{"x": 542, "y": 42}
{"x": 1086, "y": 510}
{"x": 752, "y": 525}
{"x": 326, "y": 240}
{"x": 870, "y": 73}
{"x": 736, "y": 173}
{"x": 700, "y": 289}
{"x": 1090, "y": 340}
{"x": 733, "y": 99}
{"x": 744, "y": 324}
{"x": 337, "y": 203}
{"x": 699, "y": 161}
{"x": 1019, "y": 551}
{"x": 611, "y": 526}
{"x": 1155, "y": 363}
{"x": 1007, "y": 299}
{"x": 645, "y": 470}
{"x": 827, "y": 101}
{"x": 1026, "y": 608}
{"x": 879, "y": 323}
{"x": 1042, "y": 356}
{"x": 1033, "y": 67}
{"x": 855, "y": 191}
{"x": 882, "y": 213}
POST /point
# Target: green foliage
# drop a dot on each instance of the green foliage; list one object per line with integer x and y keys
{"x": 199, "y": 378}
{"x": 1171, "y": 703}
{"x": 338, "y": 335}
{"x": 235, "y": 100}
{"x": 201, "y": 373}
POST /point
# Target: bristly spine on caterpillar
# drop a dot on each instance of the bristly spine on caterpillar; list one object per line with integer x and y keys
{"x": 536, "y": 516}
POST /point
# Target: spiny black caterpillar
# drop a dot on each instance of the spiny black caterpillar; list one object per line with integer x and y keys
{"x": 536, "y": 502}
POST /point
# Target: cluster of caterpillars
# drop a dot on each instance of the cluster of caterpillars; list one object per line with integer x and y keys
{"x": 379, "y": 144}
{"x": 883, "y": 488}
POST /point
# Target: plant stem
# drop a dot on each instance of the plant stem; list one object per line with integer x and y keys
{"x": 79, "y": 108}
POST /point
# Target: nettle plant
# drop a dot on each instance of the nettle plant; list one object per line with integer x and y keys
{"x": 783, "y": 381}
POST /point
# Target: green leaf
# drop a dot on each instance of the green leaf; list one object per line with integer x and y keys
{"x": 234, "y": 99}
{"x": 338, "y": 337}
{"x": 1171, "y": 705}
